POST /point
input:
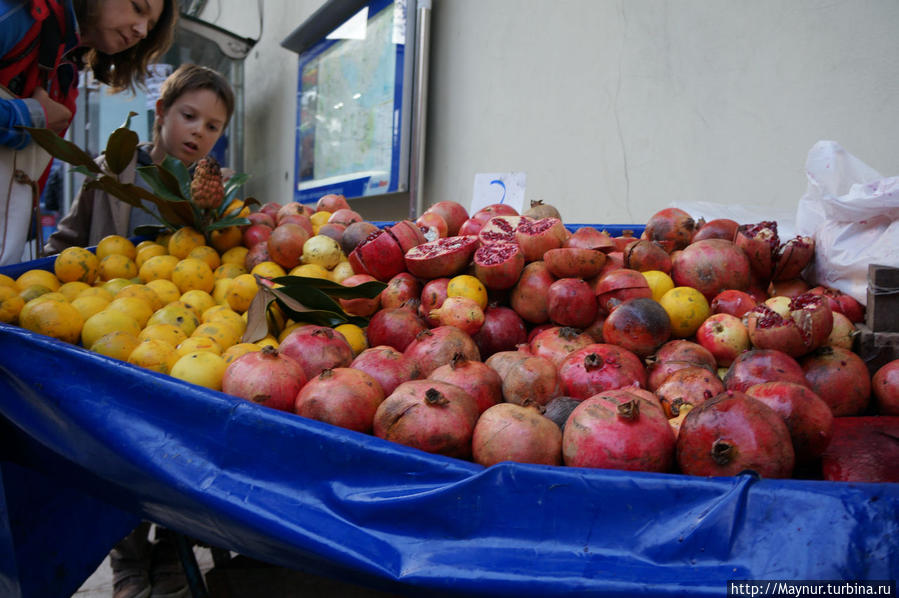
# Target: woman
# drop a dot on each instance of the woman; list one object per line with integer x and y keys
{"x": 44, "y": 45}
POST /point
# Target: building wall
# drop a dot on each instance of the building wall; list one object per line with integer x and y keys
{"x": 617, "y": 108}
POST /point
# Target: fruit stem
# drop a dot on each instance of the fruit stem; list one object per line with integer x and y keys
{"x": 722, "y": 452}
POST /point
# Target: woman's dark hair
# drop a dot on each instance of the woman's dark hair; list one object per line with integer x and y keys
{"x": 192, "y": 77}
{"x": 127, "y": 68}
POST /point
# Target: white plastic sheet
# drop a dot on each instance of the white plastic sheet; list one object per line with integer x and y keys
{"x": 853, "y": 214}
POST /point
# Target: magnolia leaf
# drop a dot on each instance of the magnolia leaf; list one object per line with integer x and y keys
{"x": 257, "y": 323}
{"x": 120, "y": 148}
{"x": 366, "y": 290}
{"x": 85, "y": 171}
{"x": 226, "y": 222}
{"x": 176, "y": 212}
{"x": 177, "y": 169}
{"x": 233, "y": 184}
{"x": 162, "y": 182}
{"x": 63, "y": 149}
{"x": 127, "y": 123}
{"x": 111, "y": 186}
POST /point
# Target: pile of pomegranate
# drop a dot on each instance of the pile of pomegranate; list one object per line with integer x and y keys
{"x": 573, "y": 361}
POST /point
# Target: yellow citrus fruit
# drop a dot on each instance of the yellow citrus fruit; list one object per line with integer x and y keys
{"x": 223, "y": 313}
{"x": 178, "y": 314}
{"x": 223, "y": 332}
{"x": 51, "y": 296}
{"x": 199, "y": 301}
{"x": 10, "y": 305}
{"x": 159, "y": 266}
{"x": 184, "y": 240}
{"x": 319, "y": 218}
{"x": 236, "y": 207}
{"x": 154, "y": 354}
{"x": 355, "y": 336}
{"x": 57, "y": 319}
{"x": 228, "y": 270}
{"x": 96, "y": 291}
{"x": 659, "y": 283}
{"x": 223, "y": 239}
{"x": 76, "y": 263}
{"x": 106, "y": 321}
{"x": 136, "y": 307}
{"x": 88, "y": 305}
{"x": 8, "y": 281}
{"x": 115, "y": 285}
{"x": 201, "y": 368}
{"x": 72, "y": 289}
{"x": 163, "y": 332}
{"x": 235, "y": 351}
{"x": 193, "y": 344}
{"x": 116, "y": 245}
{"x": 163, "y": 239}
{"x": 311, "y": 271}
{"x": 468, "y": 286}
{"x": 268, "y": 270}
{"x": 268, "y": 341}
{"x": 117, "y": 344}
{"x": 165, "y": 289}
{"x": 116, "y": 265}
{"x": 206, "y": 254}
{"x": 220, "y": 291}
{"x": 144, "y": 243}
{"x": 236, "y": 256}
{"x": 687, "y": 308}
{"x": 141, "y": 291}
{"x": 33, "y": 291}
{"x": 342, "y": 271}
{"x": 191, "y": 273}
{"x": 321, "y": 250}
{"x": 147, "y": 251}
{"x": 45, "y": 278}
{"x": 241, "y": 292}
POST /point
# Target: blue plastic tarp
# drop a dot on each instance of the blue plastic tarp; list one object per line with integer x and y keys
{"x": 119, "y": 443}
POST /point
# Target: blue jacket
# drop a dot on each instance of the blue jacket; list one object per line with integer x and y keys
{"x": 35, "y": 34}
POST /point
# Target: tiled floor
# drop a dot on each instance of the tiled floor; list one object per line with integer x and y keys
{"x": 99, "y": 584}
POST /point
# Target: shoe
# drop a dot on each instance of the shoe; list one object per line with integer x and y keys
{"x": 167, "y": 578}
{"x": 132, "y": 584}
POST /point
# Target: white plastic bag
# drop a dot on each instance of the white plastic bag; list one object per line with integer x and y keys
{"x": 853, "y": 214}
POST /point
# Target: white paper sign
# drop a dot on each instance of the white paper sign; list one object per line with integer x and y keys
{"x": 158, "y": 73}
{"x": 500, "y": 187}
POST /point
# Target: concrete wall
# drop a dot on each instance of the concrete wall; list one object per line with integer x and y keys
{"x": 617, "y": 108}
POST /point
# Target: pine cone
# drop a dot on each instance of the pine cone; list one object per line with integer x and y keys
{"x": 206, "y": 188}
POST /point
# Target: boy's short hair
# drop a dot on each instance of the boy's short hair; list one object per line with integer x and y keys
{"x": 192, "y": 77}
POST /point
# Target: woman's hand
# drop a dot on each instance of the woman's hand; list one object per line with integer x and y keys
{"x": 58, "y": 116}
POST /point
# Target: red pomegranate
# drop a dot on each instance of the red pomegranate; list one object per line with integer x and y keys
{"x": 571, "y": 302}
{"x": 498, "y": 265}
{"x": 452, "y": 212}
{"x": 434, "y": 225}
{"x": 354, "y": 234}
{"x": 462, "y": 312}
{"x": 526, "y": 378}
{"x": 759, "y": 241}
{"x": 688, "y": 386}
{"x": 431, "y": 416}
{"x": 725, "y": 336}
{"x": 441, "y": 257}
{"x": 395, "y": 327}
{"x": 624, "y": 431}
{"x": 433, "y": 294}
{"x": 672, "y": 228}
{"x": 647, "y": 255}
{"x": 317, "y": 348}
{"x": 841, "y": 302}
{"x": 379, "y": 255}
{"x": 331, "y": 203}
{"x": 344, "y": 216}
{"x": 359, "y": 306}
{"x": 285, "y": 244}
{"x": 529, "y": 297}
{"x": 499, "y": 229}
{"x": 587, "y": 237}
{"x": 386, "y": 365}
{"x": 267, "y": 377}
{"x": 536, "y": 237}
{"x": 763, "y": 365}
{"x": 806, "y": 327}
{"x": 639, "y": 325}
{"x": 437, "y": 346}
{"x": 675, "y": 355}
{"x": 733, "y": 302}
{"x": 344, "y": 397}
{"x": 556, "y": 342}
{"x": 509, "y": 432}
{"x": 807, "y": 416}
{"x": 711, "y": 266}
{"x": 502, "y": 330}
{"x": 792, "y": 257}
{"x": 474, "y": 377}
{"x": 719, "y": 228}
{"x": 400, "y": 289}
{"x": 617, "y": 286}
{"x": 599, "y": 367}
{"x": 574, "y": 262}
{"x": 731, "y": 433}
{"x": 256, "y": 233}
{"x": 885, "y": 386}
{"x": 840, "y": 377}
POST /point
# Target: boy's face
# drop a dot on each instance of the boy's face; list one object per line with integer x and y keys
{"x": 121, "y": 24}
{"x": 191, "y": 125}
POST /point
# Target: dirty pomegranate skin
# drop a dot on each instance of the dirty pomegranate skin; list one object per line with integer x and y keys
{"x": 731, "y": 433}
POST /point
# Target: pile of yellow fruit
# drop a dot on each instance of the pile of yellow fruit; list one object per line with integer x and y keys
{"x": 175, "y": 304}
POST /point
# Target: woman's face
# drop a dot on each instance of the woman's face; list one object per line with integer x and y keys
{"x": 121, "y": 24}
{"x": 191, "y": 125}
